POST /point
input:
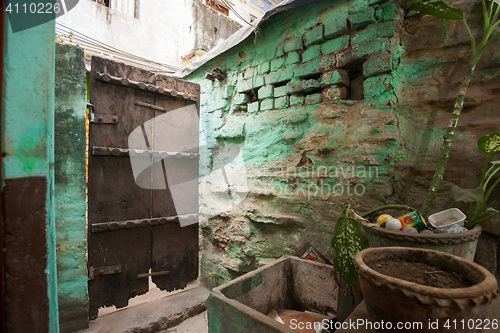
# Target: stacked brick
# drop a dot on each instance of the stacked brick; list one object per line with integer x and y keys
{"x": 348, "y": 55}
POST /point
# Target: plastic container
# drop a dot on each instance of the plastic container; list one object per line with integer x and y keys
{"x": 444, "y": 220}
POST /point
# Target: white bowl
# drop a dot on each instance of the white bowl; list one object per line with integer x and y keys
{"x": 442, "y": 221}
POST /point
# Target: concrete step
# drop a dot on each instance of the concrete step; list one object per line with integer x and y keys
{"x": 153, "y": 316}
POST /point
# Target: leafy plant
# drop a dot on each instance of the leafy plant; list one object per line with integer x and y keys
{"x": 479, "y": 197}
{"x": 348, "y": 239}
{"x": 491, "y": 18}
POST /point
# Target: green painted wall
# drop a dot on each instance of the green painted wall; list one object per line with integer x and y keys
{"x": 310, "y": 148}
{"x": 28, "y": 128}
{"x": 70, "y": 184}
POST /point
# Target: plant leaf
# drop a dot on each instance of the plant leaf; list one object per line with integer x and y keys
{"x": 489, "y": 144}
{"x": 439, "y": 9}
{"x": 496, "y": 162}
{"x": 348, "y": 239}
{"x": 467, "y": 195}
{"x": 491, "y": 210}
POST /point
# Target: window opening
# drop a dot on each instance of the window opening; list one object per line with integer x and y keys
{"x": 103, "y": 2}
{"x": 217, "y": 7}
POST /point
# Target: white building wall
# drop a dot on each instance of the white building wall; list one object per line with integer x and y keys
{"x": 159, "y": 30}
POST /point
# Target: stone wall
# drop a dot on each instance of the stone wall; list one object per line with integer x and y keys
{"x": 334, "y": 103}
{"x": 70, "y": 184}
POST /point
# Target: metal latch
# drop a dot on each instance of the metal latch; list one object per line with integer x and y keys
{"x": 106, "y": 270}
{"x": 152, "y": 274}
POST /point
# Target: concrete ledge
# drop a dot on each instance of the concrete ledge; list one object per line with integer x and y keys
{"x": 153, "y": 316}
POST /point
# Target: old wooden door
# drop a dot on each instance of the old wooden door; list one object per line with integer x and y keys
{"x": 143, "y": 167}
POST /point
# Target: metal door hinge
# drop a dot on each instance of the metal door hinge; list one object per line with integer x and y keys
{"x": 103, "y": 118}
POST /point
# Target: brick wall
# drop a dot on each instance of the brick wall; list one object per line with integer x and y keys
{"x": 326, "y": 103}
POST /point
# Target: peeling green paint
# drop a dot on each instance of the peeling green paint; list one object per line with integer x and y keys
{"x": 70, "y": 187}
{"x": 27, "y": 125}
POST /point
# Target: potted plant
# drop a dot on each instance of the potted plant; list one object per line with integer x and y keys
{"x": 425, "y": 290}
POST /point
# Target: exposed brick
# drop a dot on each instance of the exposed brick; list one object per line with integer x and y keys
{"x": 335, "y": 45}
{"x": 336, "y": 77}
{"x": 264, "y": 68}
{"x": 240, "y": 99}
{"x": 281, "y": 103}
{"x": 311, "y": 53}
{"x": 296, "y": 100}
{"x": 267, "y": 104}
{"x": 310, "y": 85}
{"x": 282, "y": 75}
{"x": 313, "y": 99}
{"x": 377, "y": 85}
{"x": 375, "y": 31}
{"x": 294, "y": 86}
{"x": 327, "y": 63}
{"x": 308, "y": 68}
{"x": 336, "y": 27}
{"x": 334, "y": 93}
{"x": 362, "y": 18}
{"x": 280, "y": 91}
{"x": 277, "y": 64}
{"x": 381, "y": 45}
{"x": 253, "y": 83}
{"x": 266, "y": 92}
{"x": 314, "y": 35}
{"x": 240, "y": 108}
{"x": 280, "y": 51}
{"x": 377, "y": 64}
{"x": 253, "y": 107}
{"x": 297, "y": 86}
{"x": 357, "y": 5}
{"x": 292, "y": 58}
{"x": 293, "y": 44}
{"x": 386, "y": 12}
{"x": 250, "y": 72}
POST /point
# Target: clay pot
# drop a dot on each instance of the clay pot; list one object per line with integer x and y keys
{"x": 462, "y": 244}
{"x": 394, "y": 300}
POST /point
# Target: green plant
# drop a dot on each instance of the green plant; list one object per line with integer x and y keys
{"x": 479, "y": 197}
{"x": 491, "y": 18}
{"x": 349, "y": 238}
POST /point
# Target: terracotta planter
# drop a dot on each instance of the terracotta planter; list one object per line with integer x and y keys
{"x": 394, "y": 300}
{"x": 462, "y": 244}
